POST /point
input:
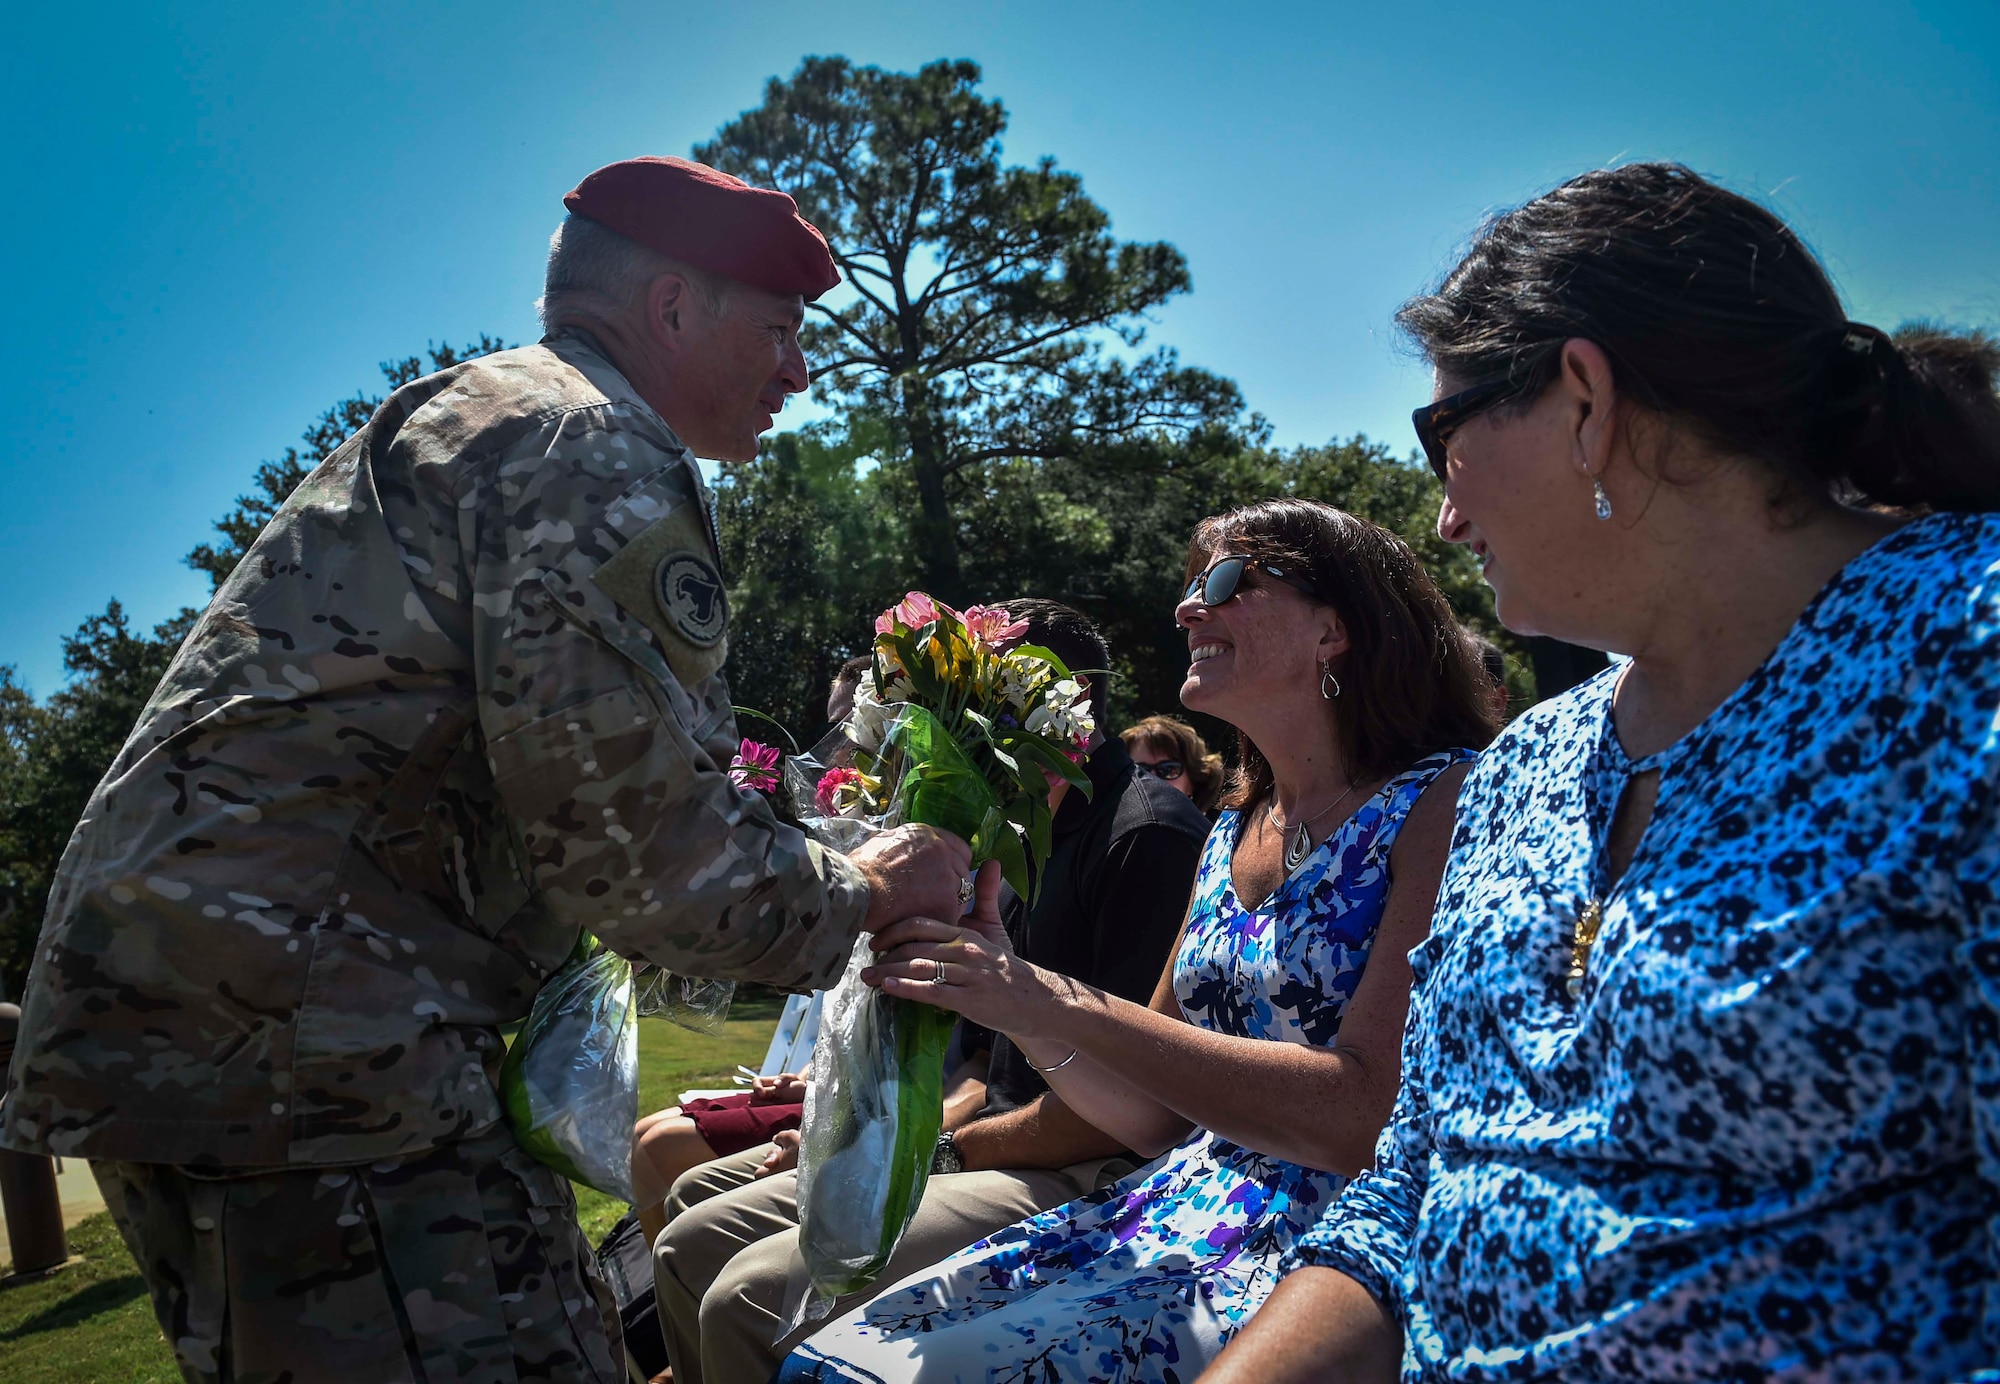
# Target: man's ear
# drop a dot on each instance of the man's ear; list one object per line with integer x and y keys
{"x": 668, "y": 301}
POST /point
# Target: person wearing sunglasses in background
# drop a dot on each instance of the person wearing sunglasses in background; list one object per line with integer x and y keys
{"x": 1703, "y": 1070}
{"x": 1267, "y": 1059}
{"x": 1173, "y": 752}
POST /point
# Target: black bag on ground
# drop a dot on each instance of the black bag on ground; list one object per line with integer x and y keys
{"x": 627, "y": 1262}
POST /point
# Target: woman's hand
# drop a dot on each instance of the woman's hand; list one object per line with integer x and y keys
{"x": 788, "y": 1088}
{"x": 970, "y": 970}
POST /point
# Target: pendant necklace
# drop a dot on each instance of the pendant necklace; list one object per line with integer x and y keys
{"x": 1298, "y": 840}
{"x": 1588, "y": 920}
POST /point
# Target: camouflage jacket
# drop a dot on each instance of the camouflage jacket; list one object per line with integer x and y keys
{"x": 461, "y": 699}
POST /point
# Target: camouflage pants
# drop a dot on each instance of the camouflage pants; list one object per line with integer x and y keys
{"x": 460, "y": 1263}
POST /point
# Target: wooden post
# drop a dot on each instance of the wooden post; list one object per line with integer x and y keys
{"x": 28, "y": 1195}
{"x": 34, "y": 1211}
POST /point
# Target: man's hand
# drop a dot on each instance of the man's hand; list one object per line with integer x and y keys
{"x": 912, "y": 871}
{"x": 783, "y": 1155}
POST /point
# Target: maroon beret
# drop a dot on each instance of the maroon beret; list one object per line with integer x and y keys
{"x": 710, "y": 220}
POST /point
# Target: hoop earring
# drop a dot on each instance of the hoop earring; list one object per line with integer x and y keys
{"x": 1603, "y": 500}
{"x": 1327, "y": 678}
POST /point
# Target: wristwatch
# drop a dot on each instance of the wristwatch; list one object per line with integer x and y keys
{"x": 945, "y": 1157}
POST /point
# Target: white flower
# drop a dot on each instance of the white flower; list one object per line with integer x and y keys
{"x": 1063, "y": 714}
{"x": 869, "y": 722}
{"x": 1021, "y": 676}
{"x": 1082, "y": 725}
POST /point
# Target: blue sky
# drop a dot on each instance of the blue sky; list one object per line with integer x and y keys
{"x": 226, "y": 215}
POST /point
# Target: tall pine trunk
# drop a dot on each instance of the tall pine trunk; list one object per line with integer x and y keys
{"x": 934, "y": 530}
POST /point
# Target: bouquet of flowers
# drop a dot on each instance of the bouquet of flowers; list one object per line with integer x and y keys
{"x": 965, "y": 728}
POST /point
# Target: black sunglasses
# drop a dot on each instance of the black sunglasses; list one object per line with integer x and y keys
{"x": 1435, "y": 423}
{"x": 1165, "y": 769}
{"x": 1218, "y": 581}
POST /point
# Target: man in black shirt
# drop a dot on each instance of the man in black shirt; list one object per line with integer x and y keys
{"x": 1113, "y": 895}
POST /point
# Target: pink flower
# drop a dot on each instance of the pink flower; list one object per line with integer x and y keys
{"x": 993, "y": 626}
{"x": 830, "y": 784}
{"x": 913, "y": 612}
{"x": 755, "y": 766}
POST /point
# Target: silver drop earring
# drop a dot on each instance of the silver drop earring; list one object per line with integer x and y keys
{"x": 1603, "y": 500}
{"x": 1327, "y": 678}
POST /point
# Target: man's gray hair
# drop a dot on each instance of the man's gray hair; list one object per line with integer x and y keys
{"x": 592, "y": 266}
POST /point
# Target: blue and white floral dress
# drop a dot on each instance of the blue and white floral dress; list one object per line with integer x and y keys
{"x": 1762, "y": 1140}
{"x": 1144, "y": 1281}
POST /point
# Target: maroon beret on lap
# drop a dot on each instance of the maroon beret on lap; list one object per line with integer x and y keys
{"x": 710, "y": 220}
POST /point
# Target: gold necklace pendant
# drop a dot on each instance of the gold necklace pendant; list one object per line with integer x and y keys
{"x": 1588, "y": 920}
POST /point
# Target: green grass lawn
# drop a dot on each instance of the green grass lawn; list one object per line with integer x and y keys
{"x": 92, "y": 1323}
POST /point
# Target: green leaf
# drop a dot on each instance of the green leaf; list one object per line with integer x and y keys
{"x": 999, "y": 841}
{"x": 1045, "y": 755}
{"x": 1040, "y": 651}
{"x": 942, "y": 788}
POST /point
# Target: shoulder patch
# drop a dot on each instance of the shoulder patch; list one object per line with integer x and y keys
{"x": 691, "y": 596}
{"x": 666, "y": 578}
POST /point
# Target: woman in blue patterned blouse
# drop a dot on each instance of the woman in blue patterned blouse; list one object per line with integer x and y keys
{"x": 1702, "y": 1078}
{"x": 1265, "y": 1067}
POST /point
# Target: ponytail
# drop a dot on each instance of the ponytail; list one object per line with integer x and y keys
{"x": 1714, "y": 313}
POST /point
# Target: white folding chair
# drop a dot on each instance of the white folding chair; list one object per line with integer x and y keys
{"x": 791, "y": 1046}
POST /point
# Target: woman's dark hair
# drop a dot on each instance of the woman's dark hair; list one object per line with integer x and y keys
{"x": 1410, "y": 681}
{"x": 1714, "y": 314}
{"x": 1204, "y": 766}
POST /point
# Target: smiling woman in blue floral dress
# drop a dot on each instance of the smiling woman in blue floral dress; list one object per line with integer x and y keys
{"x": 1266, "y": 1063}
{"x": 1703, "y": 1072}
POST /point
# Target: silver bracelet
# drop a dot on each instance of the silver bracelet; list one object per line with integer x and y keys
{"x": 1064, "y": 1063}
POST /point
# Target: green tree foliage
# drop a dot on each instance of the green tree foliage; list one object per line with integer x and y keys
{"x": 53, "y": 754}
{"x": 811, "y": 551}
{"x": 813, "y": 555}
{"x": 980, "y": 298}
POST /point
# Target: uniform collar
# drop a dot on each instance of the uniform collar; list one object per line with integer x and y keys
{"x": 583, "y": 352}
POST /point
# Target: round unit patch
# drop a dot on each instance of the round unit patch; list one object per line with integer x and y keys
{"x": 691, "y": 597}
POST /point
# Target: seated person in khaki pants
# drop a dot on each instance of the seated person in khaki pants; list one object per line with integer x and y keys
{"x": 727, "y": 1268}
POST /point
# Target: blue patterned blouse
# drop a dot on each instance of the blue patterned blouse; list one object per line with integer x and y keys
{"x": 1761, "y": 1142}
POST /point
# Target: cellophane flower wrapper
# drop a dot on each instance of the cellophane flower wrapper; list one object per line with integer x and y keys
{"x": 570, "y": 1083}
{"x": 874, "y": 1107}
{"x": 690, "y": 1001}
{"x": 876, "y": 1099}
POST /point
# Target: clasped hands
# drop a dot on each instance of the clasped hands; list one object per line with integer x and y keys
{"x": 969, "y": 967}
{"x": 787, "y": 1088}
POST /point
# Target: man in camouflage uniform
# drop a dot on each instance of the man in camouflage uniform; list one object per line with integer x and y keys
{"x": 461, "y": 699}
